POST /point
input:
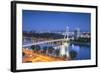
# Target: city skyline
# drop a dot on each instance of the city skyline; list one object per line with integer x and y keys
{"x": 55, "y": 21}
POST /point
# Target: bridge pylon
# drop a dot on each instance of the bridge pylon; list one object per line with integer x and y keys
{"x": 64, "y": 51}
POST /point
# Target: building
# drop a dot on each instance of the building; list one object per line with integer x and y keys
{"x": 77, "y": 33}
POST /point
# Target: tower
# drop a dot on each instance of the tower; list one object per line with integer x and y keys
{"x": 77, "y": 33}
{"x": 66, "y": 35}
{"x": 64, "y": 47}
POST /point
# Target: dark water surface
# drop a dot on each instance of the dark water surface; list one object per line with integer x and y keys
{"x": 83, "y": 51}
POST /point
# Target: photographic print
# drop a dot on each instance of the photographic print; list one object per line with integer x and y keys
{"x": 53, "y": 36}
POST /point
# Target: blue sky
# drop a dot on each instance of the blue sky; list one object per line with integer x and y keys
{"x": 55, "y": 21}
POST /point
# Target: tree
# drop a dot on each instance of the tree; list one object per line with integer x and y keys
{"x": 44, "y": 49}
{"x": 57, "y": 52}
{"x": 33, "y": 47}
{"x": 36, "y": 47}
{"x": 50, "y": 50}
{"x": 23, "y": 54}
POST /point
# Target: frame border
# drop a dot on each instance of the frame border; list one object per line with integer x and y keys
{"x": 13, "y": 35}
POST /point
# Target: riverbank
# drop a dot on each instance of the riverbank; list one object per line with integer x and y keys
{"x": 81, "y": 43}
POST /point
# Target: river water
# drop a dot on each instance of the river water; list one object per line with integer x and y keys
{"x": 83, "y": 51}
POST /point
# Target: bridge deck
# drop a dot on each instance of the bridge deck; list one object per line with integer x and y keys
{"x": 42, "y": 42}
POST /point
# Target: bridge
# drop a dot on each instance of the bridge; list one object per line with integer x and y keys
{"x": 43, "y": 42}
{"x": 63, "y": 46}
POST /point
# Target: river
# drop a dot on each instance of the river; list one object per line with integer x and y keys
{"x": 83, "y": 51}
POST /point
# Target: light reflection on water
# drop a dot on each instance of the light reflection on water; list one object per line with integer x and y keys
{"x": 83, "y": 52}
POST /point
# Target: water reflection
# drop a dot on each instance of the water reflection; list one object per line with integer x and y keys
{"x": 81, "y": 52}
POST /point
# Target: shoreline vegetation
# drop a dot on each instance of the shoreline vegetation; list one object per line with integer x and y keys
{"x": 82, "y": 41}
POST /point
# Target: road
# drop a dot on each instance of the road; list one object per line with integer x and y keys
{"x": 31, "y": 56}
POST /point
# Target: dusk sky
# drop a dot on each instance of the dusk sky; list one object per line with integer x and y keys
{"x": 55, "y": 21}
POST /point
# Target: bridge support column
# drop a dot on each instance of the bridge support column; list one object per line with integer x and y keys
{"x": 64, "y": 50}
